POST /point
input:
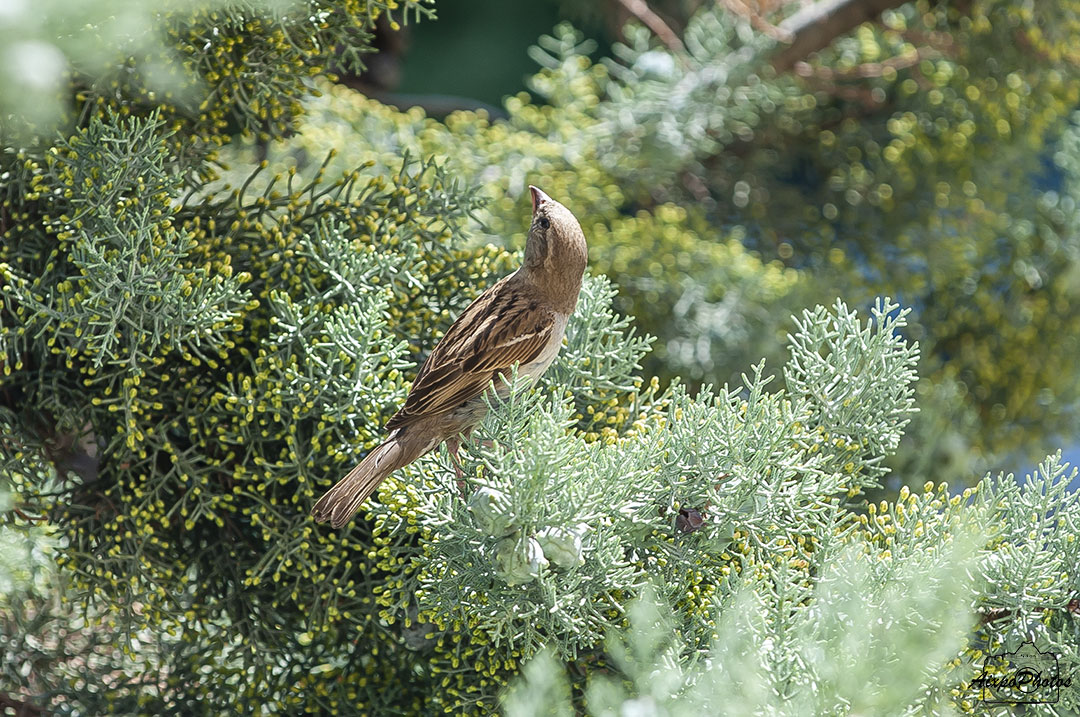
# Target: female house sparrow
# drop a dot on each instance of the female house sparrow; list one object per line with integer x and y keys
{"x": 518, "y": 321}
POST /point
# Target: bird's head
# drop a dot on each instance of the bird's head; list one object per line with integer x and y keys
{"x": 556, "y": 245}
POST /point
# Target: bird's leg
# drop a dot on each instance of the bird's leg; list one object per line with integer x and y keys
{"x": 453, "y": 445}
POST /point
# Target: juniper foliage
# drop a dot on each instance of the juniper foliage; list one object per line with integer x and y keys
{"x": 882, "y": 622}
{"x": 191, "y": 355}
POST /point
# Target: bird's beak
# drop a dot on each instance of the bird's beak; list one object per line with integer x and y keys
{"x": 538, "y": 197}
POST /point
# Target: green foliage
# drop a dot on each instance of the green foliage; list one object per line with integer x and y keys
{"x": 717, "y": 299}
{"x": 47, "y": 646}
{"x": 216, "y": 66}
{"x": 231, "y": 427}
{"x": 191, "y": 354}
{"x": 879, "y": 623}
{"x": 176, "y": 353}
{"x": 26, "y": 551}
{"x": 549, "y": 549}
{"x": 908, "y": 159}
{"x": 906, "y": 162}
{"x": 865, "y": 639}
{"x": 115, "y": 241}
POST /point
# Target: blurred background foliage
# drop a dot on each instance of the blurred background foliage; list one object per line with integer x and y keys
{"x": 731, "y": 163}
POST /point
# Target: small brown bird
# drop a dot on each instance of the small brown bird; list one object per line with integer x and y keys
{"x": 519, "y": 321}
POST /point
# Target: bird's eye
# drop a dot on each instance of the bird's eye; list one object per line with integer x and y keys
{"x": 545, "y": 222}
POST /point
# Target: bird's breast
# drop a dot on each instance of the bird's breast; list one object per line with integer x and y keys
{"x": 536, "y": 368}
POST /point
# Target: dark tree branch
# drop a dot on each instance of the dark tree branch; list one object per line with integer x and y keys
{"x": 818, "y": 24}
{"x": 434, "y": 105}
{"x": 641, "y": 10}
{"x": 18, "y": 707}
{"x": 756, "y": 19}
{"x": 867, "y": 69}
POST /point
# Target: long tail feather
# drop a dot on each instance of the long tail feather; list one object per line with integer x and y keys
{"x": 341, "y": 502}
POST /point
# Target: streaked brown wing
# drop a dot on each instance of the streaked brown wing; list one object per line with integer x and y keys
{"x": 498, "y": 330}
